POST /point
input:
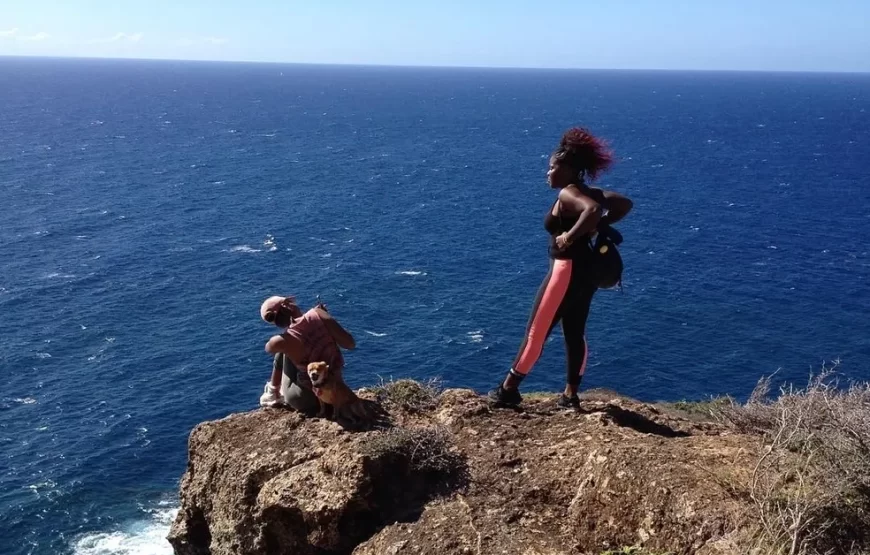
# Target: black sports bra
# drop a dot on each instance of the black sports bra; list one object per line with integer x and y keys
{"x": 556, "y": 225}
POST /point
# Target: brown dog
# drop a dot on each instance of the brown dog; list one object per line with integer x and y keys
{"x": 331, "y": 390}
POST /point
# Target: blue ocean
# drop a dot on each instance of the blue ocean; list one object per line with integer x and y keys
{"x": 147, "y": 208}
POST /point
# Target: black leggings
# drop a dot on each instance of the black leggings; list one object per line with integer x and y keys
{"x": 565, "y": 295}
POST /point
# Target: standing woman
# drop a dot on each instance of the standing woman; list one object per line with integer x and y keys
{"x": 566, "y": 293}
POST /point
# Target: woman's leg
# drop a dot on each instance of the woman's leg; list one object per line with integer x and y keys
{"x": 302, "y": 399}
{"x": 272, "y": 392}
{"x": 574, "y": 329}
{"x": 545, "y": 314}
{"x": 277, "y": 370}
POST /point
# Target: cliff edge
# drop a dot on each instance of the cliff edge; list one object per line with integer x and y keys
{"x": 453, "y": 475}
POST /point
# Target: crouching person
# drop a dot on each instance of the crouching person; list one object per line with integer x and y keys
{"x": 306, "y": 337}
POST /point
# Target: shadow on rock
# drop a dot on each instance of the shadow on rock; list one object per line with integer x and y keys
{"x": 375, "y": 417}
{"x": 640, "y": 423}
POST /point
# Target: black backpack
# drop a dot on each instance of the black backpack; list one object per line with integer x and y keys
{"x": 606, "y": 260}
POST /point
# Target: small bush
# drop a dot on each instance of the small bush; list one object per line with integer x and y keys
{"x": 409, "y": 395}
{"x": 429, "y": 451}
{"x": 811, "y": 484}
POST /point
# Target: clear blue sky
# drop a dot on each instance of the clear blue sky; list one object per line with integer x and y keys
{"x": 793, "y": 35}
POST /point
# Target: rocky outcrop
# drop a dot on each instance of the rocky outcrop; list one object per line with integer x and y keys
{"x": 461, "y": 477}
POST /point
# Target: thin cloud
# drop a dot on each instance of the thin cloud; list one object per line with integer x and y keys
{"x": 12, "y": 34}
{"x": 119, "y": 37}
{"x": 37, "y": 37}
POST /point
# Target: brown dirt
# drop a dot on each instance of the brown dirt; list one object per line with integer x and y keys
{"x": 534, "y": 481}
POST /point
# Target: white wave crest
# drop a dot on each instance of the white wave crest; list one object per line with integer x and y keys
{"x": 411, "y": 273}
{"x": 375, "y": 334}
{"x": 244, "y": 248}
{"x": 144, "y": 537}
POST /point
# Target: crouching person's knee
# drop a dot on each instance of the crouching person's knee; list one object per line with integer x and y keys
{"x": 301, "y": 399}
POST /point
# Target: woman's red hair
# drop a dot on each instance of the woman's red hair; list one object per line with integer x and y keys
{"x": 582, "y": 150}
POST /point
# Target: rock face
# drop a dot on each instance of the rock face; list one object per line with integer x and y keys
{"x": 461, "y": 477}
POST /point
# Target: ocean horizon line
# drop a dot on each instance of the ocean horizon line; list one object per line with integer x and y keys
{"x": 761, "y": 71}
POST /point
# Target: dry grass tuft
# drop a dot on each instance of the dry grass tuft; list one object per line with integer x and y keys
{"x": 409, "y": 395}
{"x": 811, "y": 484}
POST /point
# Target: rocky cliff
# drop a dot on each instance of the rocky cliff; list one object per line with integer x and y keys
{"x": 450, "y": 474}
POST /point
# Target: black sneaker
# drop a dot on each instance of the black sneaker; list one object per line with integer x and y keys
{"x": 566, "y": 402}
{"x": 505, "y": 397}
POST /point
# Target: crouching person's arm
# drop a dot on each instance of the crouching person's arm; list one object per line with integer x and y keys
{"x": 276, "y": 344}
{"x": 286, "y": 345}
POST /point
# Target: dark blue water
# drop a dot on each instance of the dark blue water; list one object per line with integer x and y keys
{"x": 147, "y": 208}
